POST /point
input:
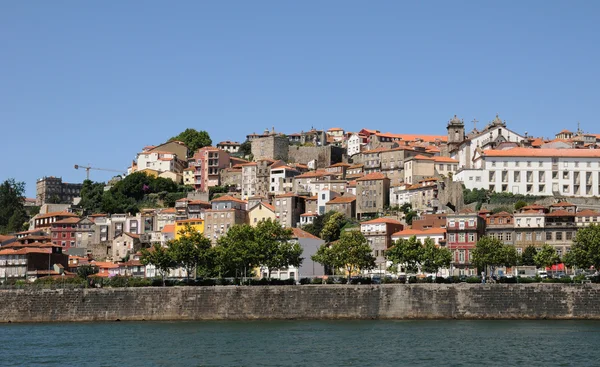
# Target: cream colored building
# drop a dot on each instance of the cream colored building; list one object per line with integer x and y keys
{"x": 261, "y": 212}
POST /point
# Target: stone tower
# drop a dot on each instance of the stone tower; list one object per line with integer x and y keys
{"x": 456, "y": 132}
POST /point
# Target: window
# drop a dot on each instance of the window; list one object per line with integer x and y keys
{"x": 569, "y": 235}
{"x": 548, "y": 236}
{"x": 452, "y": 237}
{"x": 509, "y": 236}
{"x": 519, "y": 236}
{"x": 461, "y": 256}
{"x": 500, "y": 236}
{"x": 528, "y": 236}
{"x": 461, "y": 237}
{"x": 538, "y": 236}
{"x": 471, "y": 237}
{"x": 559, "y": 236}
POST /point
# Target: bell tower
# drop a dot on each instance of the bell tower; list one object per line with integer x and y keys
{"x": 456, "y": 132}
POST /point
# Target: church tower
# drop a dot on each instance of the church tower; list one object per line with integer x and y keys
{"x": 456, "y": 132}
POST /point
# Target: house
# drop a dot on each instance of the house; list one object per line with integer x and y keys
{"x": 208, "y": 163}
{"x": 501, "y": 226}
{"x": 133, "y": 267}
{"x": 307, "y": 218}
{"x": 64, "y": 232}
{"x": 105, "y": 269}
{"x": 355, "y": 144}
{"x": 256, "y": 177}
{"x": 281, "y": 178}
{"x": 125, "y": 244}
{"x": 229, "y": 146}
{"x": 195, "y": 224}
{"x": 308, "y": 269}
{"x": 45, "y": 220}
{"x": 260, "y": 212}
{"x": 463, "y": 229}
{"x": 418, "y": 168}
{"x": 372, "y": 194}
{"x": 342, "y": 204}
{"x": 217, "y": 222}
{"x": 378, "y": 233}
{"x": 541, "y": 172}
{"x": 437, "y": 235}
{"x": 31, "y": 261}
{"x": 288, "y": 209}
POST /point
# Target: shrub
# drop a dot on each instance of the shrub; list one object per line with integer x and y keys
{"x": 473, "y": 280}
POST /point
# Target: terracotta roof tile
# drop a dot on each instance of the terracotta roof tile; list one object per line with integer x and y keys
{"x": 372, "y": 176}
{"x": 421, "y": 232}
{"x": 382, "y": 220}
{"x": 299, "y": 233}
{"x": 342, "y": 200}
{"x": 544, "y": 152}
{"x": 229, "y": 198}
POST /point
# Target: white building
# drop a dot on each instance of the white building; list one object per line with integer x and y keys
{"x": 282, "y": 179}
{"x": 541, "y": 172}
{"x": 158, "y": 161}
{"x": 229, "y": 146}
{"x": 324, "y": 196}
{"x": 355, "y": 144}
{"x": 438, "y": 235}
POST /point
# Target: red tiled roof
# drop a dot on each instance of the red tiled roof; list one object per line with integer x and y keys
{"x": 543, "y": 152}
{"x": 299, "y": 233}
{"x": 341, "y": 200}
{"x": 445, "y": 159}
{"x": 562, "y": 204}
{"x": 308, "y": 215}
{"x": 588, "y": 213}
{"x": 229, "y": 198}
{"x": 382, "y": 220}
{"x": 169, "y": 228}
{"x": 70, "y": 220}
{"x": 501, "y": 214}
{"x": 560, "y": 213}
{"x": 56, "y": 214}
{"x": 169, "y": 211}
{"x": 372, "y": 176}
{"x": 421, "y": 232}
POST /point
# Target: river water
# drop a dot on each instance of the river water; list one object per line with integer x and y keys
{"x": 303, "y": 343}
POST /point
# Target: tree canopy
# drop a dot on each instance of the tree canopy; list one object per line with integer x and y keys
{"x": 161, "y": 258}
{"x": 192, "y": 251}
{"x": 328, "y": 226}
{"x": 491, "y": 252}
{"x": 193, "y": 139}
{"x": 416, "y": 256}
{"x": 12, "y": 206}
{"x": 351, "y": 252}
{"x": 527, "y": 258}
{"x": 546, "y": 257}
{"x": 585, "y": 251}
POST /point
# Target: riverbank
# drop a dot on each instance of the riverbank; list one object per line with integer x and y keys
{"x": 394, "y": 301}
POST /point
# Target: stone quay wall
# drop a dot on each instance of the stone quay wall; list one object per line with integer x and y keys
{"x": 397, "y": 301}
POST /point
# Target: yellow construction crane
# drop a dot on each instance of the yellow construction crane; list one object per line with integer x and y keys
{"x": 88, "y": 168}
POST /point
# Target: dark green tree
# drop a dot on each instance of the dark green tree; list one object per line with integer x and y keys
{"x": 236, "y": 252}
{"x": 433, "y": 258}
{"x": 546, "y": 257}
{"x": 527, "y": 258}
{"x": 406, "y": 253}
{"x": 191, "y": 250}
{"x": 193, "y": 139}
{"x": 246, "y": 148}
{"x": 491, "y": 252}
{"x": 585, "y": 251}
{"x": 409, "y": 217}
{"x": 91, "y": 197}
{"x": 12, "y": 209}
{"x": 351, "y": 252}
{"x": 86, "y": 270}
{"x": 160, "y": 258}
{"x": 332, "y": 227}
{"x": 520, "y": 204}
{"x": 274, "y": 249}
{"x": 406, "y": 208}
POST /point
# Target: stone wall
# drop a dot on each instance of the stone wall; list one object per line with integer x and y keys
{"x": 270, "y": 147}
{"x": 423, "y": 301}
{"x": 325, "y": 156}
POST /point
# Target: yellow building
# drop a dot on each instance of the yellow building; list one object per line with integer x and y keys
{"x": 149, "y": 172}
{"x": 188, "y": 176}
{"x": 262, "y": 211}
{"x": 197, "y": 224}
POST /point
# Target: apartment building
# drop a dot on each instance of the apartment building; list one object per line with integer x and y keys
{"x": 282, "y": 178}
{"x": 463, "y": 230}
{"x": 378, "y": 233}
{"x": 288, "y": 209}
{"x": 372, "y": 194}
{"x": 342, "y": 204}
{"x": 208, "y": 163}
{"x": 541, "y": 172}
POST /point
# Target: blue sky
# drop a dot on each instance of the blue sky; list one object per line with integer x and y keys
{"x": 92, "y": 82}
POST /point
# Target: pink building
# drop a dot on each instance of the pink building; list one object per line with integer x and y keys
{"x": 208, "y": 163}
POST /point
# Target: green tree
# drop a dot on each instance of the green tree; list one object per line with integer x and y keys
{"x": 351, "y": 252}
{"x": 406, "y": 253}
{"x": 193, "y": 139}
{"x": 86, "y": 270}
{"x": 332, "y": 227}
{"x": 160, "y": 258}
{"x": 237, "y": 252}
{"x": 91, "y": 197}
{"x": 546, "y": 257}
{"x": 520, "y": 204}
{"x": 409, "y": 217}
{"x": 406, "y": 208}
{"x": 585, "y": 251}
{"x": 528, "y": 256}
{"x": 433, "y": 258}
{"x": 246, "y": 148}
{"x": 491, "y": 252}
{"x": 273, "y": 246}
{"x": 316, "y": 226}
{"x": 12, "y": 209}
{"x": 191, "y": 250}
